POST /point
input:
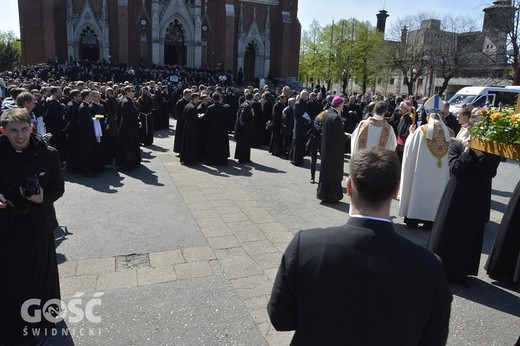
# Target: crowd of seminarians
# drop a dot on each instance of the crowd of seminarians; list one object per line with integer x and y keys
{"x": 95, "y": 125}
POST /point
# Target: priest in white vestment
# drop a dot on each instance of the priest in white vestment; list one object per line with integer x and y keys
{"x": 425, "y": 169}
{"x": 374, "y": 131}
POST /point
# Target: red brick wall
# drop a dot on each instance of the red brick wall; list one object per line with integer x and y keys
{"x": 45, "y": 32}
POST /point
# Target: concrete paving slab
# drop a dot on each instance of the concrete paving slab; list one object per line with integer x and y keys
{"x": 183, "y": 312}
{"x": 193, "y": 270}
{"x": 166, "y": 258}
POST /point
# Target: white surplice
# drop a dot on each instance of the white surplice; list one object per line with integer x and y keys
{"x": 422, "y": 179}
{"x": 374, "y": 135}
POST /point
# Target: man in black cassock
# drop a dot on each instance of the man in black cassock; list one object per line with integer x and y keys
{"x": 352, "y": 114}
{"x": 332, "y": 154}
{"x": 231, "y": 100}
{"x": 128, "y": 153}
{"x": 301, "y": 120}
{"x": 217, "y": 146}
{"x": 103, "y": 139}
{"x": 54, "y": 119}
{"x": 190, "y": 150}
{"x": 145, "y": 104}
{"x": 244, "y": 131}
{"x": 71, "y": 118}
{"x": 458, "y": 230}
{"x": 503, "y": 263}
{"x": 202, "y": 107}
{"x": 179, "y": 115}
{"x": 28, "y": 265}
{"x": 86, "y": 137}
{"x": 258, "y": 126}
{"x": 275, "y": 147}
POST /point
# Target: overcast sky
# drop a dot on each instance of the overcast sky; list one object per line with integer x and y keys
{"x": 324, "y": 11}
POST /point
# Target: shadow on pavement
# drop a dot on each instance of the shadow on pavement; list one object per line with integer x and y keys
{"x": 235, "y": 169}
{"x": 156, "y": 148}
{"x": 164, "y": 134}
{"x": 145, "y": 174}
{"x": 60, "y": 235}
{"x": 488, "y": 295}
{"x": 340, "y": 206}
{"x": 106, "y": 181}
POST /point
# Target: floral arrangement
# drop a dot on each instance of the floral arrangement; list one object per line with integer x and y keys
{"x": 499, "y": 126}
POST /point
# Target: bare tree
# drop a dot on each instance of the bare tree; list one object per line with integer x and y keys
{"x": 454, "y": 49}
{"x": 429, "y": 45}
{"x": 404, "y": 50}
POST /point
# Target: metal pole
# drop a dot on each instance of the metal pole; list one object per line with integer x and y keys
{"x": 330, "y": 52}
{"x": 339, "y": 57}
{"x": 432, "y": 67}
{"x": 350, "y": 55}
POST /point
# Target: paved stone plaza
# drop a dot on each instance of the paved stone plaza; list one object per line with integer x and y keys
{"x": 187, "y": 255}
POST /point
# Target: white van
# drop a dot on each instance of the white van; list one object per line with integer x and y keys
{"x": 479, "y": 96}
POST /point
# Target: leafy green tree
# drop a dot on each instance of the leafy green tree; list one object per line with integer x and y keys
{"x": 325, "y": 53}
{"x": 313, "y": 54}
{"x": 368, "y": 61}
{"x": 10, "y": 51}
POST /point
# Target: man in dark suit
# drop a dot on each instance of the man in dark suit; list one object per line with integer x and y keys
{"x": 362, "y": 284}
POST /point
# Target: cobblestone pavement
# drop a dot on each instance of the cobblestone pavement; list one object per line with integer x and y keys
{"x": 188, "y": 255}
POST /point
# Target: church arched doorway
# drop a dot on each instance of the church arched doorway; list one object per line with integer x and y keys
{"x": 174, "y": 48}
{"x": 88, "y": 45}
{"x": 249, "y": 62}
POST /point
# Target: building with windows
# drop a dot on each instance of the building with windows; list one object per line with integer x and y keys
{"x": 261, "y": 37}
{"x": 473, "y": 58}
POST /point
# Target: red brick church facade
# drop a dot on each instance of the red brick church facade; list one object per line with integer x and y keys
{"x": 260, "y": 36}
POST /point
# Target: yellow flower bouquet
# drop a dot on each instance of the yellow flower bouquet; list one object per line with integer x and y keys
{"x": 498, "y": 132}
{"x": 498, "y": 126}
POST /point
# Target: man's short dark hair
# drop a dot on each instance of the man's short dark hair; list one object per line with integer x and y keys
{"x": 74, "y": 93}
{"x": 23, "y": 98}
{"x": 14, "y": 115}
{"x": 375, "y": 174}
{"x": 380, "y": 108}
{"x": 84, "y": 93}
{"x": 465, "y": 111}
{"x": 217, "y": 97}
{"x": 14, "y": 92}
{"x": 55, "y": 89}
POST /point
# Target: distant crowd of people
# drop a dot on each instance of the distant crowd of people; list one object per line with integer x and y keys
{"x": 54, "y": 71}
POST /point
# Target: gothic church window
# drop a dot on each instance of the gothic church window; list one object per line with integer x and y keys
{"x": 175, "y": 33}
{"x": 88, "y": 37}
{"x": 143, "y": 46}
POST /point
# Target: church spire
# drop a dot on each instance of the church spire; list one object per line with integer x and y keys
{"x": 267, "y": 30}
{"x": 241, "y": 19}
